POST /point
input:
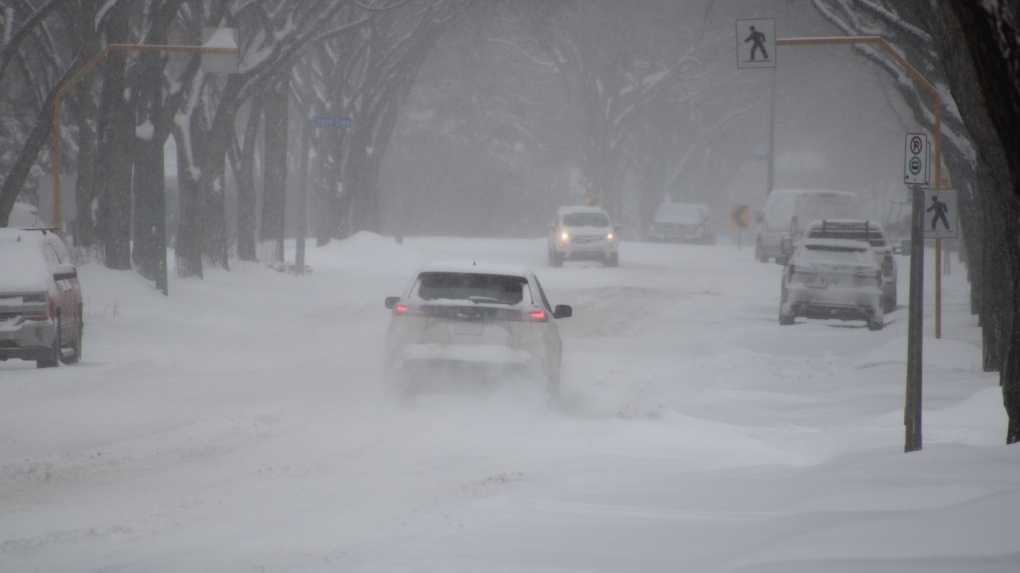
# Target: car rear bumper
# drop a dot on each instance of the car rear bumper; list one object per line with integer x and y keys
{"x": 30, "y": 340}
{"x": 832, "y": 302}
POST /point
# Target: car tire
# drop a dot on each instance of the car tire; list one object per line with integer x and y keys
{"x": 54, "y": 355}
{"x": 759, "y": 253}
{"x": 612, "y": 260}
{"x": 552, "y": 384}
{"x": 876, "y": 323}
{"x": 889, "y": 301}
{"x": 75, "y": 345}
{"x": 785, "y": 319}
{"x": 556, "y": 258}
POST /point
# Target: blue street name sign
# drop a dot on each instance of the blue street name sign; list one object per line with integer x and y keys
{"x": 332, "y": 121}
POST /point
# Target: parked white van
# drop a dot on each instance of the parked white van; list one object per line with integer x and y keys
{"x": 787, "y": 213}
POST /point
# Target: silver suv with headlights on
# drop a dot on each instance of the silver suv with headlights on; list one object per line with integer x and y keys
{"x": 583, "y": 233}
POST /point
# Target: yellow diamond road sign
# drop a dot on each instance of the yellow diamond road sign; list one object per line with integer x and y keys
{"x": 740, "y": 216}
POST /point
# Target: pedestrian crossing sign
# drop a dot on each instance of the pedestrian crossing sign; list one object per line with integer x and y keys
{"x": 756, "y": 43}
{"x": 941, "y": 217}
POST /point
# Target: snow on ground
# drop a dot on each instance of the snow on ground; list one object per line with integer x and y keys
{"x": 240, "y": 425}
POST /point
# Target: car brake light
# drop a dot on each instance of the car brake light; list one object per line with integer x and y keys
{"x": 792, "y": 269}
{"x": 53, "y": 308}
{"x": 408, "y": 310}
{"x": 539, "y": 316}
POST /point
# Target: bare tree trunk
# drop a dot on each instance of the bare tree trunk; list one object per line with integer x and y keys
{"x": 989, "y": 33}
{"x": 85, "y": 186}
{"x": 116, "y": 137}
{"x": 274, "y": 181}
{"x": 244, "y": 176}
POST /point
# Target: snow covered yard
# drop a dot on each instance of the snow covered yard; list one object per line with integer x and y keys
{"x": 240, "y": 425}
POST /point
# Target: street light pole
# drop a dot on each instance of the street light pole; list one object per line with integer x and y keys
{"x": 158, "y": 229}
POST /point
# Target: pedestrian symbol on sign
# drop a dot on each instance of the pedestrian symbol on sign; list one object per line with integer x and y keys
{"x": 940, "y": 205}
{"x": 756, "y": 43}
{"x": 940, "y": 209}
{"x": 759, "y": 43}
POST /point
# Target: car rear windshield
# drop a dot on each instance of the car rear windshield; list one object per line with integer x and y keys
{"x": 872, "y": 235}
{"x": 481, "y": 288}
{"x": 832, "y": 254}
{"x": 586, "y": 220}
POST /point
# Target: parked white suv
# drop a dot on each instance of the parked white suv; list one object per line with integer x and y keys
{"x": 831, "y": 278}
{"x": 583, "y": 233}
{"x": 870, "y": 232}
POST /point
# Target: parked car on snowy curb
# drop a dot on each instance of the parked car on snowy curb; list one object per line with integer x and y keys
{"x": 831, "y": 278}
{"x": 689, "y": 222}
{"x": 870, "y": 232}
{"x": 788, "y": 211}
{"x": 40, "y": 299}
{"x": 583, "y": 233}
{"x": 474, "y": 321}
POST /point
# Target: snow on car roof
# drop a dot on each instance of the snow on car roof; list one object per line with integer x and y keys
{"x": 862, "y": 222}
{"x": 840, "y": 243}
{"x": 22, "y": 264}
{"x": 792, "y": 192}
{"x": 476, "y": 267}
{"x": 581, "y": 209}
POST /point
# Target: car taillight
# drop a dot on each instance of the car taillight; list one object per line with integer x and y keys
{"x": 887, "y": 263}
{"x": 528, "y": 315}
{"x": 791, "y": 269}
{"x": 53, "y": 308}
{"x": 407, "y": 310}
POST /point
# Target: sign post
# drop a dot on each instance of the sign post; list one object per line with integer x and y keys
{"x": 740, "y": 219}
{"x": 915, "y": 323}
{"x": 915, "y": 175}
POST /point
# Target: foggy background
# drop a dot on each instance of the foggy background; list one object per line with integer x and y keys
{"x": 489, "y": 144}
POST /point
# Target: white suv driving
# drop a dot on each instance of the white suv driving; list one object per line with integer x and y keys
{"x": 583, "y": 233}
{"x": 478, "y": 319}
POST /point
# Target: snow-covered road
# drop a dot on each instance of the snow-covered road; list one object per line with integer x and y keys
{"x": 239, "y": 425}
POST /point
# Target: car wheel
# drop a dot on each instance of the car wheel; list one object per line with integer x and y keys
{"x": 54, "y": 358}
{"x": 889, "y": 301}
{"x": 876, "y": 323}
{"x": 612, "y": 260}
{"x": 552, "y": 384}
{"x": 75, "y": 345}
{"x": 556, "y": 258}
{"x": 785, "y": 319}
{"x": 759, "y": 253}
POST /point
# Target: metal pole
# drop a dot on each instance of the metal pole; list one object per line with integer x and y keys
{"x": 158, "y": 175}
{"x": 938, "y": 288}
{"x": 915, "y": 324}
{"x": 306, "y": 134}
{"x": 772, "y": 134}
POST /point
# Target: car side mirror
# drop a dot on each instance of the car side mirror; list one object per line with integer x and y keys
{"x": 65, "y": 272}
{"x": 563, "y": 311}
{"x": 787, "y": 246}
{"x": 617, "y": 227}
{"x": 905, "y": 246}
{"x": 391, "y": 301}
{"x": 782, "y": 260}
{"x": 759, "y": 216}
